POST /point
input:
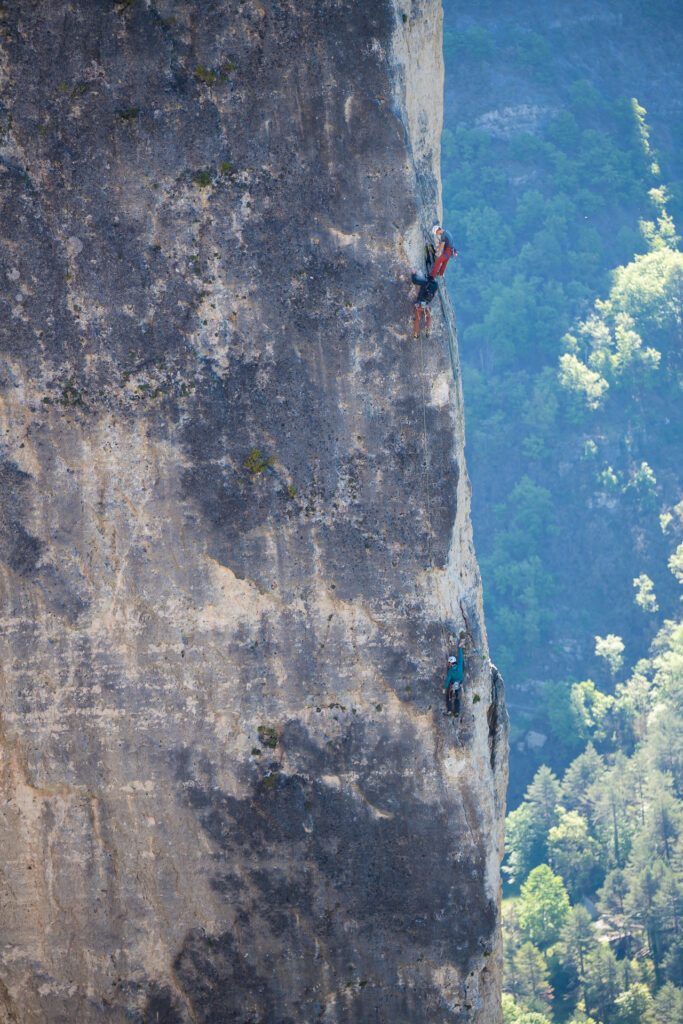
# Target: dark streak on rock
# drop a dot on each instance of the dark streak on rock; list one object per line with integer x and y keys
{"x": 332, "y": 867}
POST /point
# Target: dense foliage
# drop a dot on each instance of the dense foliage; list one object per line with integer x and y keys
{"x": 597, "y": 928}
{"x": 565, "y": 199}
{"x": 569, "y": 300}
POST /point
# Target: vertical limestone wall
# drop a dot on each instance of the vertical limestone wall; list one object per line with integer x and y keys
{"x": 234, "y": 528}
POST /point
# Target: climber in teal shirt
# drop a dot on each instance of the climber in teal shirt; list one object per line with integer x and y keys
{"x": 452, "y": 686}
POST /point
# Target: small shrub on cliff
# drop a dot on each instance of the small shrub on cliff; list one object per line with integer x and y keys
{"x": 205, "y": 75}
{"x": 128, "y": 114}
{"x": 209, "y": 76}
{"x": 256, "y": 461}
{"x": 71, "y": 395}
{"x": 267, "y": 736}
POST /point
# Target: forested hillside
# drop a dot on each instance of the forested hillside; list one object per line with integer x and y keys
{"x": 565, "y": 194}
{"x": 597, "y": 859}
{"x": 563, "y": 185}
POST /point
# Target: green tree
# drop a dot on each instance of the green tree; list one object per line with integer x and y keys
{"x": 512, "y": 940}
{"x": 650, "y": 289}
{"x": 560, "y": 715}
{"x": 612, "y": 812}
{"x": 617, "y": 355}
{"x": 642, "y": 484}
{"x": 526, "y": 587}
{"x": 643, "y": 903}
{"x": 529, "y": 516}
{"x": 602, "y": 981}
{"x": 668, "y": 663}
{"x": 634, "y": 1006}
{"x": 515, "y": 1014}
{"x": 669, "y": 1005}
{"x": 612, "y": 896}
{"x": 670, "y": 901}
{"x": 631, "y": 707}
{"x": 584, "y": 771}
{"x": 590, "y": 708}
{"x": 526, "y": 840}
{"x": 673, "y": 961}
{"x": 576, "y": 377}
{"x": 611, "y": 648}
{"x": 645, "y": 593}
{"x": 543, "y": 906}
{"x": 638, "y": 779}
{"x": 676, "y": 563}
{"x": 665, "y": 820}
{"x": 574, "y": 854}
{"x": 577, "y": 940}
{"x": 542, "y": 794}
{"x": 664, "y": 745}
{"x": 532, "y": 977}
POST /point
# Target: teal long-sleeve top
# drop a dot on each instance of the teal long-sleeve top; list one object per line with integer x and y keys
{"x": 455, "y": 672}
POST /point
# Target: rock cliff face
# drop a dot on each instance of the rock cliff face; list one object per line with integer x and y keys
{"x": 234, "y": 527}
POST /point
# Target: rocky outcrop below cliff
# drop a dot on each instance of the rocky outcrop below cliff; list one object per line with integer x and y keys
{"x": 234, "y": 530}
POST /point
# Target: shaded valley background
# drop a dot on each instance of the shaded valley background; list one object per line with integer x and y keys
{"x": 563, "y": 184}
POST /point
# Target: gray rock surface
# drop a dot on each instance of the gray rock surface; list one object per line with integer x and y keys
{"x": 234, "y": 527}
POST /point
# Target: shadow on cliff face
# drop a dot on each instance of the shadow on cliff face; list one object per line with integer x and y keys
{"x": 18, "y": 549}
{"x": 21, "y": 552}
{"x": 346, "y": 891}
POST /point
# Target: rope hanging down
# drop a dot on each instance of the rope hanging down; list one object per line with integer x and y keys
{"x": 426, "y": 478}
{"x": 452, "y": 333}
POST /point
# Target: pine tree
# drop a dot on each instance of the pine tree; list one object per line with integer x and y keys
{"x": 669, "y": 1005}
{"x": 577, "y": 940}
{"x": 602, "y": 981}
{"x": 543, "y": 906}
{"x": 642, "y": 906}
{"x": 532, "y": 977}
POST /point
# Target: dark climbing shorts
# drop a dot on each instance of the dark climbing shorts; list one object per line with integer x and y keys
{"x": 427, "y": 291}
{"x": 453, "y": 700}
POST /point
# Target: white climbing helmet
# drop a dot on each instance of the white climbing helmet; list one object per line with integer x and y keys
{"x": 451, "y": 660}
{"x": 435, "y": 230}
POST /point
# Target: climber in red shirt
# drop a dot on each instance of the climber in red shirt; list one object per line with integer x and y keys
{"x": 445, "y": 249}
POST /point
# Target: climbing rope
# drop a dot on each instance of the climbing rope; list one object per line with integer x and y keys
{"x": 426, "y": 456}
{"x": 452, "y": 333}
{"x": 426, "y": 478}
